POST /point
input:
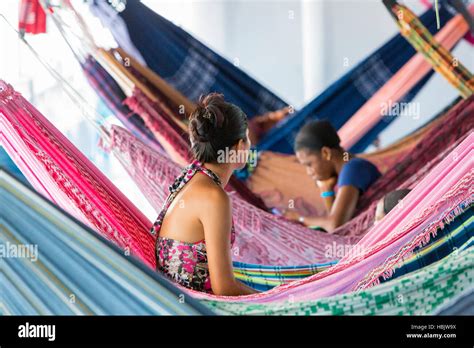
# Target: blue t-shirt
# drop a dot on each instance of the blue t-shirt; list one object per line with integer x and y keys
{"x": 359, "y": 173}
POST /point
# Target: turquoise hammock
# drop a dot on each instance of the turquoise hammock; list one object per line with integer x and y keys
{"x": 73, "y": 270}
{"x": 194, "y": 69}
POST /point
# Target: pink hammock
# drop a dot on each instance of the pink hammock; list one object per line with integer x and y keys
{"x": 153, "y": 173}
{"x": 457, "y": 125}
{"x": 370, "y": 113}
{"x": 262, "y": 238}
{"x": 59, "y": 171}
{"x": 445, "y": 192}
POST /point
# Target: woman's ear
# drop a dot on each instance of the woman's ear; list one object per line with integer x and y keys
{"x": 240, "y": 146}
{"x": 326, "y": 153}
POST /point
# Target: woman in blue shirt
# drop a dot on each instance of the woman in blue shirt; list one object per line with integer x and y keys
{"x": 317, "y": 147}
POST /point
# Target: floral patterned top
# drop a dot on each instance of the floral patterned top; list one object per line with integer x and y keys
{"x": 185, "y": 263}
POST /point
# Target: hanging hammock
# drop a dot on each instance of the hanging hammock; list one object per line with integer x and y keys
{"x": 279, "y": 178}
{"x": 194, "y": 69}
{"x": 57, "y": 284}
{"x": 445, "y": 192}
{"x": 184, "y": 62}
{"x": 152, "y": 172}
{"x": 59, "y": 171}
{"x": 343, "y": 98}
{"x": 450, "y": 238}
{"x": 272, "y": 179}
{"x": 437, "y": 55}
{"x": 75, "y": 271}
{"x": 419, "y": 293}
{"x": 372, "y": 112}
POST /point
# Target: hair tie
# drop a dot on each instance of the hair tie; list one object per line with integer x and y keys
{"x": 207, "y": 114}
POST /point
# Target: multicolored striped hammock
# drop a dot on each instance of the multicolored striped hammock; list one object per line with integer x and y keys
{"x": 439, "y": 57}
{"x": 450, "y": 238}
{"x": 352, "y": 91}
{"x": 73, "y": 271}
{"x": 372, "y": 112}
{"x": 418, "y": 293}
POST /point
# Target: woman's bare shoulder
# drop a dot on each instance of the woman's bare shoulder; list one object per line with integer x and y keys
{"x": 210, "y": 195}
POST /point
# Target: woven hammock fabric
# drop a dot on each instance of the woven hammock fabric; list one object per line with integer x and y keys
{"x": 59, "y": 171}
{"x": 445, "y": 192}
{"x": 457, "y": 124}
{"x": 371, "y": 112}
{"x": 187, "y": 64}
{"x": 438, "y": 56}
{"x": 112, "y": 96}
{"x": 418, "y": 293}
{"x": 194, "y": 69}
{"x": 69, "y": 270}
{"x": 261, "y": 238}
{"x": 450, "y": 238}
{"x": 445, "y": 173}
{"x": 462, "y": 304}
{"x": 177, "y": 147}
{"x": 47, "y": 284}
{"x": 153, "y": 173}
{"x": 349, "y": 93}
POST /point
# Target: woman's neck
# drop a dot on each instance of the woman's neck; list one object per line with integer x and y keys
{"x": 341, "y": 158}
{"x": 223, "y": 171}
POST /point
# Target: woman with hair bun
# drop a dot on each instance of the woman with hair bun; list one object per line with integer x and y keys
{"x": 194, "y": 230}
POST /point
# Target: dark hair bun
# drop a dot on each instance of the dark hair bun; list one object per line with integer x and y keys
{"x": 214, "y": 125}
{"x": 207, "y": 117}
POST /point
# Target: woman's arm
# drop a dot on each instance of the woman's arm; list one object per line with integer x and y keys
{"x": 341, "y": 211}
{"x": 327, "y": 186}
{"x": 216, "y": 218}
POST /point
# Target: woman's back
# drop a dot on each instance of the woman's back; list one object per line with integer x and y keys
{"x": 194, "y": 231}
{"x": 180, "y": 246}
{"x": 182, "y": 220}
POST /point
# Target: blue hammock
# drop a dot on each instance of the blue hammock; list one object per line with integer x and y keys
{"x": 65, "y": 268}
{"x": 194, "y": 69}
{"x": 349, "y": 93}
{"x": 190, "y": 66}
